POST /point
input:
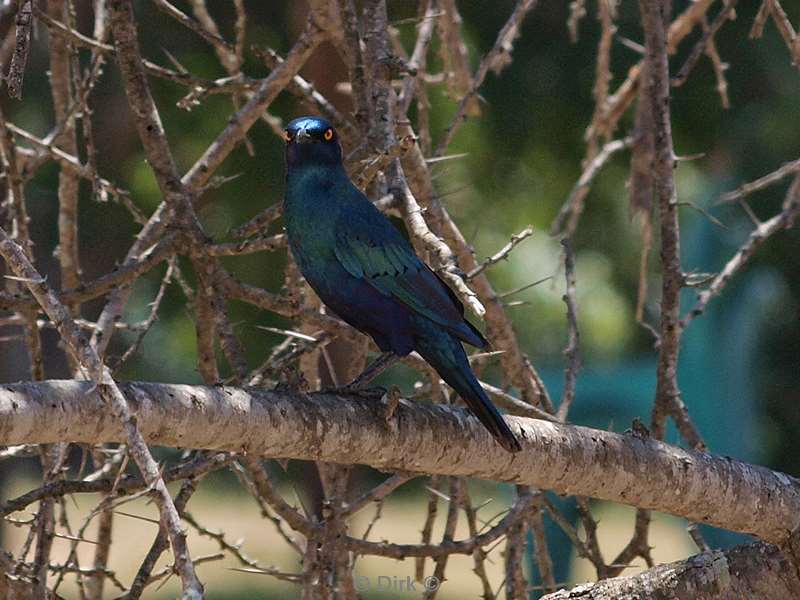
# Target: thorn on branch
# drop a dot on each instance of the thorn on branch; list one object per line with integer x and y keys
{"x": 502, "y": 254}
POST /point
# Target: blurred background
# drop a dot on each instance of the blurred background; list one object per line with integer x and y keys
{"x": 739, "y": 364}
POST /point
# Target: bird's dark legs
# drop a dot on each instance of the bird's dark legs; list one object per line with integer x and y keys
{"x": 359, "y": 385}
{"x": 375, "y": 368}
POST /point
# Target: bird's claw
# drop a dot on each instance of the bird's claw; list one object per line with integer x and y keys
{"x": 392, "y": 401}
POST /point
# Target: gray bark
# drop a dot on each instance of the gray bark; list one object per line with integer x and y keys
{"x": 744, "y": 572}
{"x": 418, "y": 437}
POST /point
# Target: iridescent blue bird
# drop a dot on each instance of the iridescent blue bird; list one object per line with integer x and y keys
{"x": 367, "y": 273}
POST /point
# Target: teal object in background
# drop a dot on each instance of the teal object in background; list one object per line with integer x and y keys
{"x": 718, "y": 377}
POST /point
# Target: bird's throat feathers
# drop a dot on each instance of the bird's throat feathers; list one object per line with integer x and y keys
{"x": 313, "y": 154}
{"x": 315, "y": 187}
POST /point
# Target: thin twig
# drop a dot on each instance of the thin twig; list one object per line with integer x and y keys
{"x": 503, "y": 253}
{"x": 571, "y": 352}
{"x": 755, "y": 240}
{"x": 495, "y": 60}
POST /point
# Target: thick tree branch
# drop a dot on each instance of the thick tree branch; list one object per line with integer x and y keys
{"x": 751, "y": 571}
{"x": 420, "y": 437}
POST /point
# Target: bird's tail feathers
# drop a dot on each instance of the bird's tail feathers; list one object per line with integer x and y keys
{"x": 446, "y": 355}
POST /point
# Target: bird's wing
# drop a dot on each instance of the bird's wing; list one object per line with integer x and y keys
{"x": 373, "y": 250}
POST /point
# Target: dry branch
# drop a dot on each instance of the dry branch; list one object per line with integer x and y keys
{"x": 655, "y": 17}
{"x": 495, "y": 60}
{"x": 389, "y": 87}
{"x": 16, "y": 70}
{"x": 783, "y": 220}
{"x": 765, "y": 181}
{"x": 422, "y": 438}
{"x": 113, "y": 399}
{"x": 752, "y": 571}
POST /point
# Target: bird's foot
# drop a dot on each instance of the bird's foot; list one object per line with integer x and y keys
{"x": 391, "y": 399}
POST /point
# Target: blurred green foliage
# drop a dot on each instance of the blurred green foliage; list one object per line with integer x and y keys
{"x": 523, "y": 156}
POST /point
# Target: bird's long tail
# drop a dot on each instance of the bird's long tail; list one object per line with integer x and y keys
{"x": 445, "y": 354}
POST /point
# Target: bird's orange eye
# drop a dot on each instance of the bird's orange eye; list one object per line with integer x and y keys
{"x": 286, "y": 136}
{"x": 328, "y": 135}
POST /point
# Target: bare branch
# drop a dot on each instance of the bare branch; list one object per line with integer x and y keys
{"x": 571, "y": 352}
{"x": 503, "y": 253}
{"x": 572, "y": 208}
{"x": 113, "y": 400}
{"x": 668, "y": 400}
{"x": 496, "y": 60}
{"x": 704, "y": 43}
{"x": 790, "y": 37}
{"x": 746, "y": 189}
{"x": 783, "y": 220}
{"x": 754, "y": 571}
{"x": 422, "y": 437}
{"x": 16, "y": 70}
{"x": 212, "y": 38}
{"x": 412, "y": 214}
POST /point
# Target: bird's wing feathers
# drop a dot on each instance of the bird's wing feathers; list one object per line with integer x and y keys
{"x": 373, "y": 250}
{"x": 396, "y": 271}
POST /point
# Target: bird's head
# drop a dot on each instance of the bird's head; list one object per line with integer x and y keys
{"x": 311, "y": 141}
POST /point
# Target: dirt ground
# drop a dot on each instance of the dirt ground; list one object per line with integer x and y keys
{"x": 239, "y": 516}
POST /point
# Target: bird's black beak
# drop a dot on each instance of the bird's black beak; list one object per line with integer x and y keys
{"x": 303, "y": 137}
